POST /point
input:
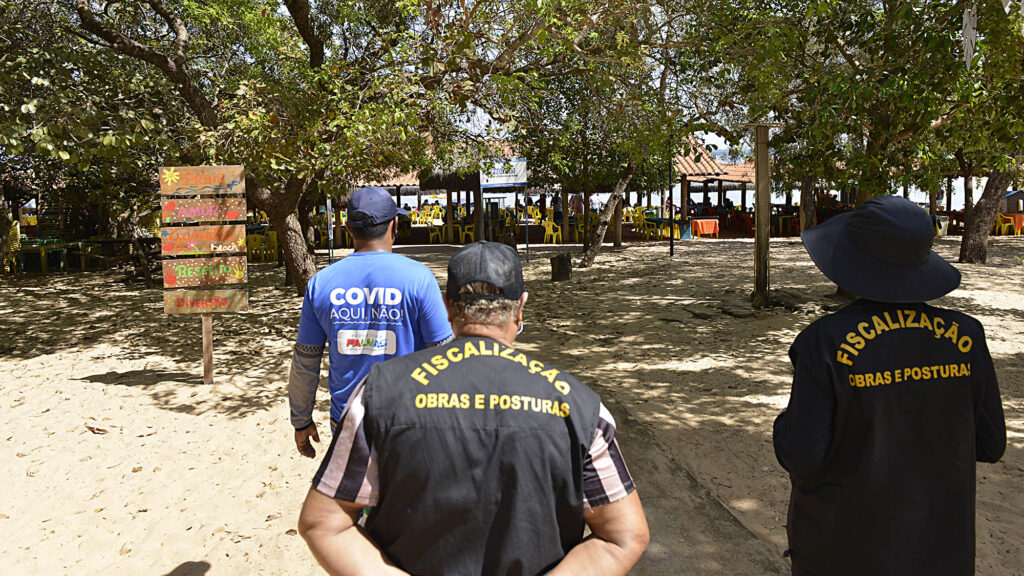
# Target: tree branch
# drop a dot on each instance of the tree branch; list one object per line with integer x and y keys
{"x": 299, "y": 11}
{"x": 174, "y": 69}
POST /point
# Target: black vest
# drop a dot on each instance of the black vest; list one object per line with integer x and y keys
{"x": 480, "y": 452}
{"x": 895, "y": 494}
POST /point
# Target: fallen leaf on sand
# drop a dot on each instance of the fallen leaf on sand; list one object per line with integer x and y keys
{"x": 137, "y": 469}
{"x": 273, "y": 517}
{"x": 291, "y": 532}
{"x": 125, "y": 549}
{"x": 4, "y": 516}
{"x": 218, "y": 530}
{"x": 96, "y": 429}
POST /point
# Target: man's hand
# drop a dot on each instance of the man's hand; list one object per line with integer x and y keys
{"x": 302, "y": 438}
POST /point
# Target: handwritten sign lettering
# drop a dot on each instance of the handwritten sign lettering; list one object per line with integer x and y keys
{"x": 204, "y": 272}
{"x": 177, "y": 211}
{"x": 205, "y": 301}
{"x": 193, "y": 180}
{"x": 194, "y": 240}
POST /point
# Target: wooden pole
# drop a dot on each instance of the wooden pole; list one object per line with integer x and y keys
{"x": 684, "y": 197}
{"x": 721, "y": 194}
{"x": 743, "y": 196}
{"x": 618, "y": 224}
{"x": 207, "y": 348}
{"x": 565, "y": 216}
{"x": 949, "y": 194}
{"x": 478, "y": 215}
{"x": 762, "y": 216}
{"x": 449, "y": 233}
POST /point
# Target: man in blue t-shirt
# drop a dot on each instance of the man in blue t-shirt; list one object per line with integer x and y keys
{"x": 371, "y": 306}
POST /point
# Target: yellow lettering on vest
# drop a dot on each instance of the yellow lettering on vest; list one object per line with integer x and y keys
{"x": 454, "y": 354}
{"x": 869, "y": 379}
{"x": 484, "y": 351}
{"x": 430, "y": 368}
{"x": 899, "y": 315}
{"x": 545, "y": 406}
{"x": 565, "y": 410}
{"x": 888, "y": 377}
{"x": 843, "y": 358}
{"x": 965, "y": 344}
{"x": 421, "y": 400}
{"x": 520, "y": 358}
{"x": 478, "y": 401}
{"x": 536, "y": 366}
{"x": 505, "y": 402}
{"x": 420, "y": 376}
{"x": 507, "y": 353}
{"x": 439, "y": 362}
{"x": 938, "y": 323}
{"x": 562, "y": 386}
{"x": 910, "y": 318}
{"x": 431, "y": 400}
{"x": 857, "y": 341}
{"x": 550, "y": 374}
{"x": 924, "y": 322}
{"x": 464, "y": 401}
{"x": 953, "y": 333}
{"x": 469, "y": 350}
{"x": 888, "y": 320}
{"x": 965, "y": 369}
{"x": 879, "y": 325}
{"x": 864, "y": 330}
{"x": 516, "y": 402}
{"x": 494, "y": 401}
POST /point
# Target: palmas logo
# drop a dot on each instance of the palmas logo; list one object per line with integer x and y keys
{"x": 369, "y": 342}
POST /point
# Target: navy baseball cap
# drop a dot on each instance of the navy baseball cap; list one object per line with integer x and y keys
{"x": 882, "y": 251}
{"x": 370, "y": 206}
{"x": 490, "y": 262}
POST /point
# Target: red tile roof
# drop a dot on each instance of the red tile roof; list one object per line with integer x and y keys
{"x": 689, "y": 166}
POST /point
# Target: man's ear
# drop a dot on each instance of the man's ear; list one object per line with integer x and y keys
{"x": 522, "y": 304}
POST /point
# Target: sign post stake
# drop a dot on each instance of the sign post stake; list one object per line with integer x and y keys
{"x": 207, "y": 348}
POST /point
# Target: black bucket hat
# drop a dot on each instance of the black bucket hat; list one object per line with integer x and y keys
{"x": 882, "y": 251}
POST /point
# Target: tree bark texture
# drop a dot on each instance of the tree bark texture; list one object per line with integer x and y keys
{"x": 974, "y": 246}
{"x": 808, "y": 216}
{"x": 606, "y": 215}
{"x": 6, "y": 223}
{"x": 280, "y": 209}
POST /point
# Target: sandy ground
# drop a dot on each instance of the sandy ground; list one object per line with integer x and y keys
{"x": 116, "y": 458}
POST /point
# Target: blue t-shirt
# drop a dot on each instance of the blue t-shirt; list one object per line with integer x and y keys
{"x": 370, "y": 307}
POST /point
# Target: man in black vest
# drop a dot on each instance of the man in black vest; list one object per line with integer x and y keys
{"x": 893, "y": 402}
{"x": 476, "y": 458}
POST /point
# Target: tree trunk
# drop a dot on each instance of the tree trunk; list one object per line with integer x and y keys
{"x": 606, "y": 215}
{"x": 6, "y": 223}
{"x": 280, "y": 208}
{"x": 808, "y": 215}
{"x": 306, "y": 206}
{"x": 974, "y": 246}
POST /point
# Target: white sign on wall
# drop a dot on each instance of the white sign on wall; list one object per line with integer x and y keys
{"x": 505, "y": 173}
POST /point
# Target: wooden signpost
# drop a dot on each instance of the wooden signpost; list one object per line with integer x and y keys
{"x": 199, "y": 244}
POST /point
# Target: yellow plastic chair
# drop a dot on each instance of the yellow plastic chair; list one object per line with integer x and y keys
{"x": 268, "y": 252}
{"x": 552, "y": 232}
{"x": 13, "y": 248}
{"x": 467, "y": 230}
{"x": 1004, "y": 226}
{"x": 254, "y": 247}
{"x": 669, "y": 228}
{"x": 435, "y": 234}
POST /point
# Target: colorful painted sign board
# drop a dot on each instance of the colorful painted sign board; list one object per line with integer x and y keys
{"x": 193, "y": 180}
{"x": 196, "y": 240}
{"x": 198, "y": 210}
{"x": 204, "y": 272}
{"x": 205, "y": 301}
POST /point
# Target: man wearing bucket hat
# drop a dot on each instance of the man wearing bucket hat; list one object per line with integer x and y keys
{"x": 369, "y": 306}
{"x": 893, "y": 402}
{"x": 476, "y": 458}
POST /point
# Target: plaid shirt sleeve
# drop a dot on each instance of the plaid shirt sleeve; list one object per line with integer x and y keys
{"x": 605, "y": 476}
{"x": 349, "y": 470}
